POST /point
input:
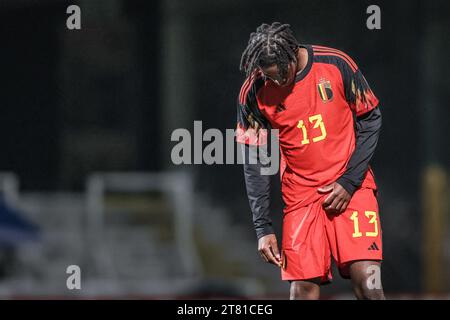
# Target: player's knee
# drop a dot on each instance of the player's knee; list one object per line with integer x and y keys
{"x": 366, "y": 279}
{"x": 304, "y": 290}
{"x": 372, "y": 294}
{"x": 363, "y": 291}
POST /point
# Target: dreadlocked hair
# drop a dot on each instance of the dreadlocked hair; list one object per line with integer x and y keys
{"x": 270, "y": 45}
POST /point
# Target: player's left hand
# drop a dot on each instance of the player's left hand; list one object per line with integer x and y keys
{"x": 338, "y": 199}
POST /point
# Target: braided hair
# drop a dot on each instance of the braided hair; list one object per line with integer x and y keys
{"x": 270, "y": 45}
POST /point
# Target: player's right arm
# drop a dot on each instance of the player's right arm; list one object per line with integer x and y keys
{"x": 250, "y": 134}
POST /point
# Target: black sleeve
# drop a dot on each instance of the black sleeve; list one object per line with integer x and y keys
{"x": 367, "y": 131}
{"x": 258, "y": 185}
{"x": 258, "y": 193}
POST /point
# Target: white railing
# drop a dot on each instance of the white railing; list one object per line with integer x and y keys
{"x": 177, "y": 186}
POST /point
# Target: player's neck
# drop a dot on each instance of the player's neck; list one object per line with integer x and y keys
{"x": 302, "y": 59}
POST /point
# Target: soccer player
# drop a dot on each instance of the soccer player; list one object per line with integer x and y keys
{"x": 329, "y": 121}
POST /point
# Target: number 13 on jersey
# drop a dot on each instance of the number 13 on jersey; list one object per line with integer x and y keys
{"x": 318, "y": 124}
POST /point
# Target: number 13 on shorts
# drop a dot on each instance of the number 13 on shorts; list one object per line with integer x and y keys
{"x": 372, "y": 217}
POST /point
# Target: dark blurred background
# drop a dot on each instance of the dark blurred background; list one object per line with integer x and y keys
{"x": 78, "y": 104}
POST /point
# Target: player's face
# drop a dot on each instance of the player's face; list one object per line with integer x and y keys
{"x": 274, "y": 74}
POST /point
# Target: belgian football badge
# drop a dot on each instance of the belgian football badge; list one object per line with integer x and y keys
{"x": 325, "y": 91}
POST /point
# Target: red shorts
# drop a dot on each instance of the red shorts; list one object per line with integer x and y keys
{"x": 311, "y": 236}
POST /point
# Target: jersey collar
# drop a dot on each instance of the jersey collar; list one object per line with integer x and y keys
{"x": 302, "y": 74}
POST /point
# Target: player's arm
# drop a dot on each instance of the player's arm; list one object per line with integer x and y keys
{"x": 257, "y": 185}
{"x": 258, "y": 193}
{"x": 368, "y": 128}
{"x": 364, "y": 104}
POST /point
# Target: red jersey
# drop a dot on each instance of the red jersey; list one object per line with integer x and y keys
{"x": 315, "y": 118}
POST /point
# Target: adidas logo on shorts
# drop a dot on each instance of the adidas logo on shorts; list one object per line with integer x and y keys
{"x": 373, "y": 247}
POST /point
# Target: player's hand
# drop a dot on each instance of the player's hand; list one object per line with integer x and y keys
{"x": 338, "y": 199}
{"x": 268, "y": 249}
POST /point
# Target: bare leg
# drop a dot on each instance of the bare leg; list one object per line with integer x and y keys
{"x": 366, "y": 280}
{"x": 305, "y": 289}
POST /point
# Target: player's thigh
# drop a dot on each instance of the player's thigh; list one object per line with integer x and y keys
{"x": 365, "y": 271}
